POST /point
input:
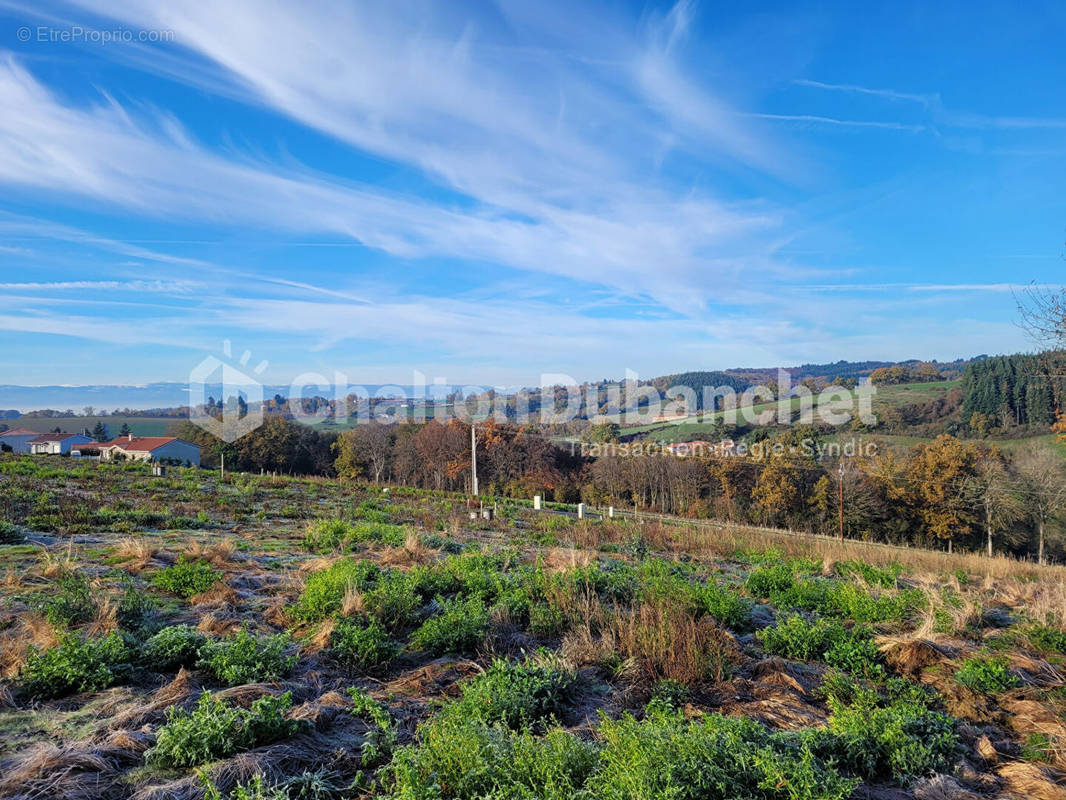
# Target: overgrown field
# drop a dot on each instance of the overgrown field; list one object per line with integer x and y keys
{"x": 178, "y": 637}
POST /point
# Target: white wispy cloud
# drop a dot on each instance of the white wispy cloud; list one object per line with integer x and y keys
{"x": 890, "y": 94}
{"x": 640, "y": 239}
{"x": 846, "y": 123}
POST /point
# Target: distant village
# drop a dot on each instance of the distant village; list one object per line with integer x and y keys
{"x": 157, "y": 449}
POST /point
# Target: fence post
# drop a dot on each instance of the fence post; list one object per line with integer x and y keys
{"x": 536, "y": 502}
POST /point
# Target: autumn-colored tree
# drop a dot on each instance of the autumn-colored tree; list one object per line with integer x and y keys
{"x": 776, "y": 491}
{"x": 934, "y": 485}
{"x": 364, "y": 452}
{"x": 1060, "y": 427}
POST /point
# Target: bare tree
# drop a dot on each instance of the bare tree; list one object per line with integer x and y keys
{"x": 996, "y": 494}
{"x": 1043, "y": 479}
{"x": 1043, "y": 314}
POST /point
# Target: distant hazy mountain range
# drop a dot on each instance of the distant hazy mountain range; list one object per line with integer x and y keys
{"x": 171, "y": 394}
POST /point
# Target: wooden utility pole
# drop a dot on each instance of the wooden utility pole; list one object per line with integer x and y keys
{"x": 840, "y": 499}
{"x": 473, "y": 458}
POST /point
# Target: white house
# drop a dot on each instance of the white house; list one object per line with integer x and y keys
{"x": 165, "y": 449}
{"x": 18, "y": 440}
{"x": 54, "y": 444}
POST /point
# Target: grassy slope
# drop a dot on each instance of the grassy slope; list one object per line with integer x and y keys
{"x": 251, "y": 529}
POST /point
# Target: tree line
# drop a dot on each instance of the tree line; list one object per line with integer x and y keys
{"x": 949, "y": 492}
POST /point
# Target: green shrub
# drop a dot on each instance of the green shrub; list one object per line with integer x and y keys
{"x": 669, "y": 694}
{"x": 187, "y": 577}
{"x": 371, "y": 511}
{"x": 69, "y": 601}
{"x": 723, "y": 604}
{"x": 134, "y": 608}
{"x": 324, "y": 591}
{"x": 175, "y": 646}
{"x": 1047, "y": 639}
{"x": 517, "y": 694}
{"x": 10, "y": 533}
{"x": 394, "y": 600}
{"x": 257, "y": 789}
{"x": 668, "y": 756}
{"x": 459, "y": 628}
{"x": 770, "y": 579}
{"x": 381, "y": 738}
{"x": 545, "y": 620}
{"x": 245, "y": 658}
{"x": 465, "y": 759}
{"x": 878, "y": 576}
{"x": 822, "y": 639}
{"x": 986, "y": 675}
{"x": 214, "y": 730}
{"x": 854, "y": 602}
{"x": 899, "y": 741}
{"x": 362, "y": 645}
{"x": 75, "y": 665}
{"x": 326, "y": 535}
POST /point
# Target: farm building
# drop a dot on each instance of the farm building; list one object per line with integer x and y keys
{"x": 55, "y": 444}
{"x": 18, "y": 440}
{"x": 166, "y": 449}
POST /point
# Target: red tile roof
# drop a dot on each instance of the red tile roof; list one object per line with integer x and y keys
{"x": 19, "y": 432}
{"x": 138, "y": 444}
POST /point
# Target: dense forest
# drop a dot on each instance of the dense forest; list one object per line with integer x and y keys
{"x": 1018, "y": 390}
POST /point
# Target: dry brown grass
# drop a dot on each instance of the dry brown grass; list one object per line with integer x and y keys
{"x": 1032, "y": 781}
{"x": 218, "y": 624}
{"x": 655, "y": 641}
{"x": 221, "y": 596}
{"x": 558, "y": 559}
{"x": 134, "y": 553}
{"x": 412, "y": 552}
{"x": 30, "y": 629}
{"x": 105, "y": 619}
{"x": 353, "y": 602}
{"x": 221, "y": 554}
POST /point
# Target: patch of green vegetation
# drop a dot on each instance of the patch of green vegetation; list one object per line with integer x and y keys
{"x": 667, "y": 755}
{"x": 173, "y": 647}
{"x": 187, "y": 577}
{"x": 381, "y": 738}
{"x": 987, "y": 675}
{"x": 517, "y": 694}
{"x": 464, "y": 759}
{"x": 324, "y": 590}
{"x": 459, "y": 627}
{"x": 876, "y": 740}
{"x": 76, "y": 664}
{"x": 10, "y": 533}
{"x": 330, "y": 535}
{"x": 823, "y": 639}
{"x": 214, "y": 729}
{"x": 1047, "y": 639}
{"x": 886, "y": 577}
{"x": 362, "y": 645}
{"x": 70, "y": 600}
{"x": 246, "y": 658}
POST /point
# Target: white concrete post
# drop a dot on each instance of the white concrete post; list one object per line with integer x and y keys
{"x": 610, "y": 512}
{"x": 536, "y": 502}
{"x": 580, "y": 510}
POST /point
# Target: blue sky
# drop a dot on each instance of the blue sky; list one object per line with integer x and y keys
{"x": 489, "y": 192}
